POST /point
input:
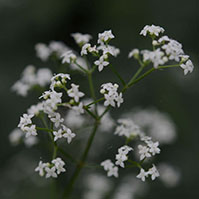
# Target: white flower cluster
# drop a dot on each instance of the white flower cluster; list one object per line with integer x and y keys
{"x": 110, "y": 168}
{"x": 156, "y": 124}
{"x": 44, "y": 51}
{"x": 64, "y": 132}
{"x": 168, "y": 50}
{"x": 111, "y": 95}
{"x": 103, "y": 39}
{"x": 127, "y": 128}
{"x": 59, "y": 80}
{"x": 31, "y": 78}
{"x": 152, "y": 30}
{"x": 26, "y": 125}
{"x": 148, "y": 150}
{"x": 68, "y": 57}
{"x": 121, "y": 157}
{"x": 152, "y": 171}
{"x": 51, "y": 169}
{"x": 81, "y": 39}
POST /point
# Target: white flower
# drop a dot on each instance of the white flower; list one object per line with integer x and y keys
{"x": 156, "y": 57}
{"x": 57, "y": 134}
{"x": 42, "y": 51}
{"x": 35, "y": 109}
{"x": 111, "y": 95}
{"x": 113, "y": 172}
{"x": 25, "y": 120}
{"x": 15, "y": 136}
{"x": 153, "y": 172}
{"x": 50, "y": 172}
{"x": 74, "y": 92}
{"x": 188, "y": 67}
{"x": 30, "y": 130}
{"x": 127, "y": 128}
{"x": 81, "y": 38}
{"x": 105, "y": 36}
{"x": 101, "y": 63}
{"x": 142, "y": 175}
{"x": 68, "y": 134}
{"x": 85, "y": 48}
{"x": 152, "y": 30}
{"x": 173, "y": 49}
{"x": 59, "y": 165}
{"x": 41, "y": 168}
{"x": 122, "y": 155}
{"x": 43, "y": 76}
{"x": 107, "y": 164}
{"x": 133, "y": 53}
{"x": 108, "y": 49}
{"x": 57, "y": 119}
{"x": 144, "y": 152}
{"x": 68, "y": 57}
{"x": 153, "y": 147}
{"x": 21, "y": 88}
{"x": 30, "y": 141}
{"x": 78, "y": 109}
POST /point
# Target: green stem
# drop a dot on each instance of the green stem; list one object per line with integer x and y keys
{"x": 67, "y": 155}
{"x": 81, "y": 163}
{"x": 83, "y": 69}
{"x": 117, "y": 74}
{"x": 147, "y": 73}
{"x": 134, "y": 77}
{"x": 92, "y": 90}
{"x": 44, "y": 129}
{"x": 95, "y": 102}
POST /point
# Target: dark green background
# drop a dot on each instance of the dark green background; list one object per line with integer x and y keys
{"x": 23, "y": 23}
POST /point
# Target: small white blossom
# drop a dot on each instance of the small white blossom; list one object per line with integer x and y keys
{"x": 133, "y": 53}
{"x": 57, "y": 120}
{"x": 68, "y": 57}
{"x": 153, "y": 147}
{"x": 81, "y": 39}
{"x": 50, "y": 172}
{"x": 153, "y": 172}
{"x": 144, "y": 152}
{"x": 42, "y": 51}
{"x": 142, "y": 175}
{"x": 59, "y": 165}
{"x": 105, "y": 36}
{"x": 113, "y": 172}
{"x": 15, "y": 136}
{"x": 25, "y": 120}
{"x": 101, "y": 63}
{"x": 41, "y": 168}
{"x": 67, "y": 133}
{"x": 30, "y": 130}
{"x": 78, "y": 109}
{"x": 107, "y": 164}
{"x": 57, "y": 134}
{"x": 127, "y": 128}
{"x": 85, "y": 48}
{"x": 152, "y": 30}
{"x": 75, "y": 93}
{"x": 188, "y": 67}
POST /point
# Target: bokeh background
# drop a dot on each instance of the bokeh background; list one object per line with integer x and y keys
{"x": 23, "y": 23}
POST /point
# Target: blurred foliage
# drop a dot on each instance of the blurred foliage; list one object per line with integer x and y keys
{"x": 27, "y": 22}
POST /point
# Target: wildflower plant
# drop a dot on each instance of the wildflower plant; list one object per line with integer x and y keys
{"x": 65, "y": 94}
